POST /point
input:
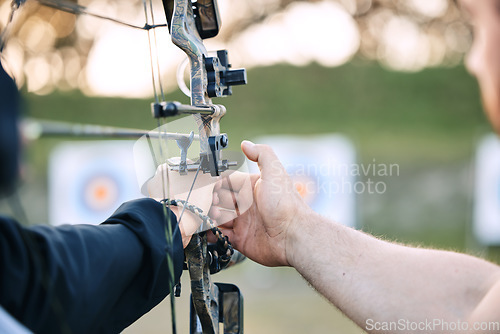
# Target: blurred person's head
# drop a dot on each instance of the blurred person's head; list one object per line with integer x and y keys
{"x": 483, "y": 59}
{"x": 9, "y": 136}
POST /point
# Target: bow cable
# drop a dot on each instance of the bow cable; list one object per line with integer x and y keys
{"x": 4, "y": 34}
{"x": 159, "y": 96}
{"x": 153, "y": 51}
{"x": 74, "y": 8}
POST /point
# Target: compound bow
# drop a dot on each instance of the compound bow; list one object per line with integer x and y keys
{"x": 189, "y": 22}
{"x": 210, "y": 77}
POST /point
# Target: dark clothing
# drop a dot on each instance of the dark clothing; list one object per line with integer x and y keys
{"x": 9, "y": 136}
{"x": 86, "y": 278}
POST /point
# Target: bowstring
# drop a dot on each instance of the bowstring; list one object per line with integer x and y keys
{"x": 73, "y": 8}
{"x": 5, "y": 32}
{"x": 163, "y": 152}
{"x": 157, "y": 59}
{"x": 154, "y": 61}
{"x": 165, "y": 180}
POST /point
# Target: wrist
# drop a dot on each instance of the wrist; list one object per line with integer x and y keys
{"x": 297, "y": 230}
{"x": 186, "y": 236}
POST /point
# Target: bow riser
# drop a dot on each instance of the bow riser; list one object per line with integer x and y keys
{"x": 185, "y": 35}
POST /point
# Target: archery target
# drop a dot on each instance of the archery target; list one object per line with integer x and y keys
{"x": 100, "y": 192}
{"x": 303, "y": 184}
{"x": 316, "y": 166}
{"x": 89, "y": 180}
{"x": 486, "y": 219}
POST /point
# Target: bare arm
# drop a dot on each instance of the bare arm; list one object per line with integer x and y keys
{"x": 370, "y": 280}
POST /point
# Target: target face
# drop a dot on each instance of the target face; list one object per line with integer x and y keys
{"x": 89, "y": 180}
{"x": 305, "y": 186}
{"x": 100, "y": 192}
{"x": 487, "y": 192}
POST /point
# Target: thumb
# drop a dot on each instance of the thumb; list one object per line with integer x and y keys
{"x": 264, "y": 156}
{"x": 250, "y": 150}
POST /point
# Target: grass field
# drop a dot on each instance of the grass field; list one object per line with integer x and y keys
{"x": 427, "y": 122}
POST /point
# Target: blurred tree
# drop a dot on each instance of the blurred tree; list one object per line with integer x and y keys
{"x": 48, "y": 47}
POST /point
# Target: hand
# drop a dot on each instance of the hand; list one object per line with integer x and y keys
{"x": 179, "y": 187}
{"x": 261, "y": 232}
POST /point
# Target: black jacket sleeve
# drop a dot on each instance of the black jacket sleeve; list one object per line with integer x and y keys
{"x": 85, "y": 278}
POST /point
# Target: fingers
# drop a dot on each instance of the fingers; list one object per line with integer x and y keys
{"x": 250, "y": 150}
{"x": 218, "y": 185}
{"x": 226, "y": 199}
{"x": 227, "y": 225}
{"x": 229, "y": 233}
{"x": 236, "y": 180}
{"x": 268, "y": 162}
{"x": 178, "y": 184}
{"x": 223, "y": 217}
{"x": 235, "y": 192}
{"x": 211, "y": 238}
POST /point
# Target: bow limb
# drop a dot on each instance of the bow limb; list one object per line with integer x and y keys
{"x": 186, "y": 37}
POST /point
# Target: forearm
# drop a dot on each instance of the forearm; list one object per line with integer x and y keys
{"x": 372, "y": 279}
{"x": 88, "y": 279}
